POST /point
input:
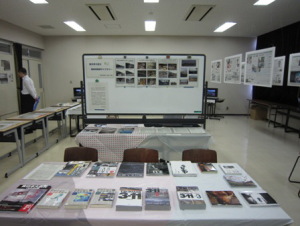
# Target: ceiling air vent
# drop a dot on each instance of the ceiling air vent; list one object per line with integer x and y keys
{"x": 198, "y": 12}
{"x": 102, "y": 11}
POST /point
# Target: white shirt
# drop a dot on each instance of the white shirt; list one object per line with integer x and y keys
{"x": 28, "y": 87}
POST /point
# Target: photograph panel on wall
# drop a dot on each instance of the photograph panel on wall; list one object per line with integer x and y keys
{"x": 125, "y": 72}
{"x": 232, "y": 69}
{"x": 146, "y": 72}
{"x": 259, "y": 67}
{"x": 216, "y": 71}
{"x": 243, "y": 72}
{"x": 168, "y": 72}
{"x": 188, "y": 73}
{"x": 278, "y": 71}
{"x": 294, "y": 70}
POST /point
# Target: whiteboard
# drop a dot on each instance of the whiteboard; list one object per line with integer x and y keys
{"x": 143, "y": 84}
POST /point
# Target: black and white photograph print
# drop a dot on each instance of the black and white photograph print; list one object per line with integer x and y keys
{"x": 129, "y": 73}
{"x": 151, "y": 65}
{"x": 129, "y": 65}
{"x": 163, "y": 74}
{"x": 151, "y": 73}
{"x": 164, "y": 82}
{"x": 3, "y": 78}
{"x": 193, "y": 70}
{"x": 120, "y": 80}
{"x": 172, "y": 75}
{"x": 151, "y": 81}
{"x": 172, "y": 67}
{"x": 120, "y": 73}
{"x": 5, "y": 64}
{"x": 141, "y": 65}
{"x": 163, "y": 67}
{"x": 183, "y": 82}
{"x": 129, "y": 80}
{"x": 142, "y": 73}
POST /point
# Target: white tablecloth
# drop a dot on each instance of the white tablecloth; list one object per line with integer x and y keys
{"x": 211, "y": 216}
{"x": 170, "y": 142}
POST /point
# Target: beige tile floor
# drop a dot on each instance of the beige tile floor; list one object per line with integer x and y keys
{"x": 266, "y": 153}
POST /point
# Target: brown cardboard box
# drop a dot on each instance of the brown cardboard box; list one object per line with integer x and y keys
{"x": 258, "y": 113}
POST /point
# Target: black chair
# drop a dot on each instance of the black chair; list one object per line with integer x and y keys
{"x": 80, "y": 154}
{"x": 199, "y": 155}
{"x": 140, "y": 155}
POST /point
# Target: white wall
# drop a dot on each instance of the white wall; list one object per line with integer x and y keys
{"x": 62, "y": 61}
{"x": 16, "y": 34}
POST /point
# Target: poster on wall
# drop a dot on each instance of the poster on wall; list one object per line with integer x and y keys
{"x": 294, "y": 70}
{"x": 146, "y": 72}
{"x": 259, "y": 67}
{"x": 243, "y": 71}
{"x": 6, "y": 75}
{"x": 232, "y": 69}
{"x": 125, "y": 72}
{"x": 216, "y": 71}
{"x": 278, "y": 70}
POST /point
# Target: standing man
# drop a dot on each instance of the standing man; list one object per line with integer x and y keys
{"x": 28, "y": 93}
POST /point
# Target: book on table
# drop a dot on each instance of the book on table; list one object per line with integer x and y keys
{"x": 126, "y": 130}
{"x": 73, "y": 169}
{"x": 223, "y": 198}
{"x": 108, "y": 130}
{"x": 183, "y": 169}
{"x": 229, "y": 169}
{"x": 157, "y": 169}
{"x": 258, "y": 198}
{"x": 23, "y": 198}
{"x": 53, "y": 199}
{"x": 90, "y": 130}
{"x": 206, "y": 167}
{"x": 103, "y": 169}
{"x": 189, "y": 197}
{"x": 157, "y": 199}
{"x": 129, "y": 199}
{"x": 79, "y": 198}
{"x": 131, "y": 169}
{"x": 103, "y": 197}
{"x": 239, "y": 181}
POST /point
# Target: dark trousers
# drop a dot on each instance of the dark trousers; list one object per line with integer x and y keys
{"x": 27, "y": 103}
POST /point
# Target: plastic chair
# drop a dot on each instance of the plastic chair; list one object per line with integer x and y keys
{"x": 140, "y": 155}
{"x": 199, "y": 155}
{"x": 80, "y": 154}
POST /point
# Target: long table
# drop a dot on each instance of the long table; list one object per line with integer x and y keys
{"x": 212, "y": 215}
{"x": 170, "y": 142}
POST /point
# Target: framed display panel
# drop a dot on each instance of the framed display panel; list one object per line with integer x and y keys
{"x": 143, "y": 84}
{"x": 216, "y": 71}
{"x": 259, "y": 67}
{"x": 232, "y": 69}
{"x": 294, "y": 70}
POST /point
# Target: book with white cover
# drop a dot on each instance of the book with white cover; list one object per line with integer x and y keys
{"x": 183, "y": 169}
{"x": 53, "y": 199}
{"x": 129, "y": 199}
{"x": 229, "y": 169}
{"x": 103, "y": 197}
{"x": 44, "y": 171}
{"x": 258, "y": 198}
{"x": 79, "y": 199}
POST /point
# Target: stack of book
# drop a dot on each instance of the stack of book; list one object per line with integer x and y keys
{"x": 103, "y": 198}
{"x": 23, "y": 198}
{"x": 131, "y": 169}
{"x": 53, "y": 199}
{"x": 183, "y": 169}
{"x": 79, "y": 199}
{"x": 129, "y": 199}
{"x": 103, "y": 169}
{"x": 189, "y": 197}
{"x": 157, "y": 169}
{"x": 73, "y": 169}
{"x": 157, "y": 199}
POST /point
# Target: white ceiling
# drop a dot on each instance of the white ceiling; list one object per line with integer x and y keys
{"x": 170, "y": 15}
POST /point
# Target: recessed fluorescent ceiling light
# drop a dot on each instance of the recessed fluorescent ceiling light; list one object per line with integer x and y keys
{"x": 263, "y": 2}
{"x": 39, "y": 1}
{"x": 151, "y": 1}
{"x": 74, "y": 25}
{"x": 225, "y": 26}
{"x": 150, "y": 25}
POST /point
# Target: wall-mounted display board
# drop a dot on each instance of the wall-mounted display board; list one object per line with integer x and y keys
{"x": 216, "y": 71}
{"x": 232, "y": 69}
{"x": 143, "y": 84}
{"x": 259, "y": 67}
{"x": 294, "y": 70}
